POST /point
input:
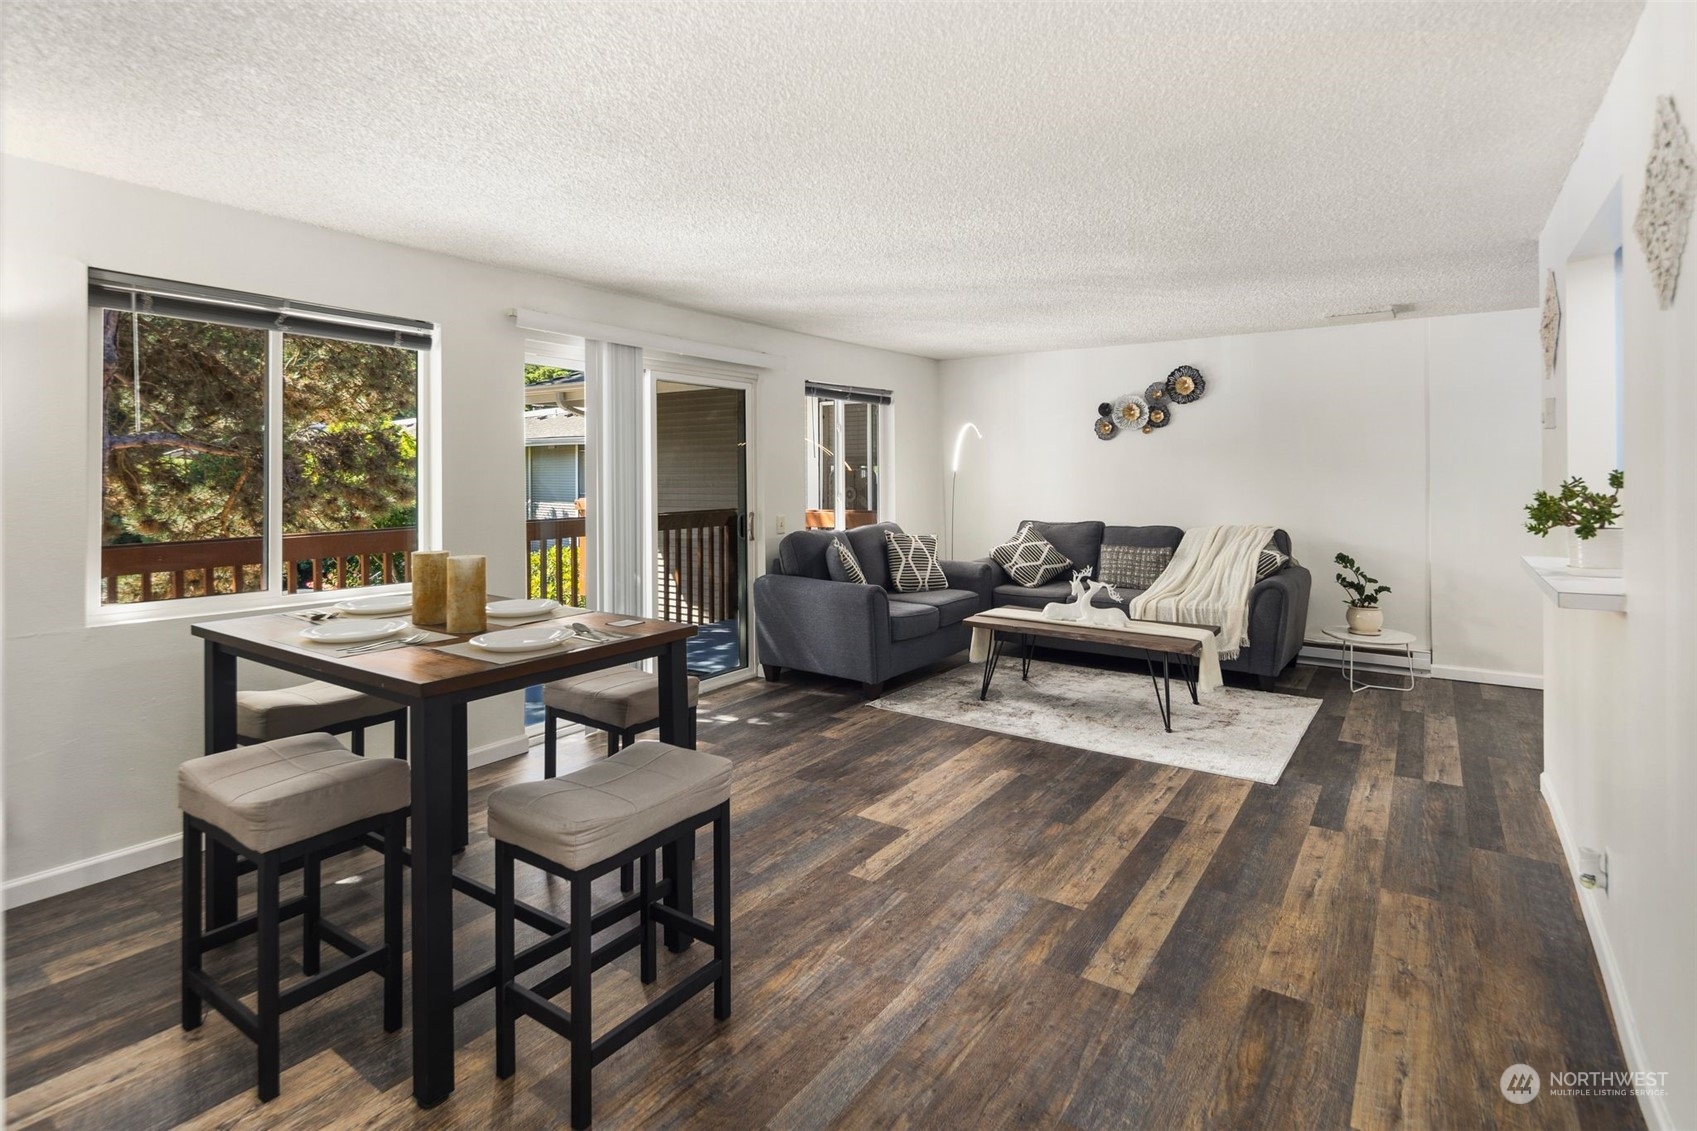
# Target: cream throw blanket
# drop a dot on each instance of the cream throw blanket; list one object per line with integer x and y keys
{"x": 1208, "y": 582}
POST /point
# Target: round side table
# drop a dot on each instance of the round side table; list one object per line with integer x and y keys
{"x": 1389, "y": 641}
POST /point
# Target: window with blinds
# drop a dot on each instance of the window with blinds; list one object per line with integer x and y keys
{"x": 250, "y": 443}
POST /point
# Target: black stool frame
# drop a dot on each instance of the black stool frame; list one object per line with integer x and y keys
{"x": 616, "y": 739}
{"x": 513, "y": 1000}
{"x": 357, "y": 728}
{"x": 263, "y": 1025}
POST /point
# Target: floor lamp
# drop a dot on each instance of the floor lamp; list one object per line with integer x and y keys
{"x": 954, "y": 478}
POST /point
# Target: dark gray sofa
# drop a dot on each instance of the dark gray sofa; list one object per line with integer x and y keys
{"x": 806, "y": 621}
{"x": 1278, "y": 606}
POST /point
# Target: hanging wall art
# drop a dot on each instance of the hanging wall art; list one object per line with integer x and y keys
{"x": 1153, "y": 410}
{"x": 1664, "y": 211}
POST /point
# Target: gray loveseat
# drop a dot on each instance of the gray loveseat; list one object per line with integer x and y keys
{"x": 806, "y": 621}
{"x": 1278, "y": 605}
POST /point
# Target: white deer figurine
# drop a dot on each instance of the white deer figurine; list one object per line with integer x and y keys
{"x": 1073, "y": 608}
{"x": 1082, "y": 608}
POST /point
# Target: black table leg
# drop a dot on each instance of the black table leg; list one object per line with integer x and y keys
{"x": 434, "y": 825}
{"x": 1030, "y": 643}
{"x": 990, "y": 661}
{"x": 677, "y": 859}
{"x": 1164, "y": 704}
{"x": 220, "y": 735}
{"x": 462, "y": 770}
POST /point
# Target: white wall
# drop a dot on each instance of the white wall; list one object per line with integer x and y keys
{"x": 96, "y": 718}
{"x": 1411, "y": 445}
{"x": 1620, "y": 716}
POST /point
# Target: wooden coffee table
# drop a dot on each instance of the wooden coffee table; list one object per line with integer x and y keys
{"x": 1026, "y": 634}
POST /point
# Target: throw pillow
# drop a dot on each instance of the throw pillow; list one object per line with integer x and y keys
{"x": 1272, "y": 561}
{"x": 914, "y": 567}
{"x": 842, "y": 563}
{"x": 1134, "y": 567}
{"x": 1029, "y": 558}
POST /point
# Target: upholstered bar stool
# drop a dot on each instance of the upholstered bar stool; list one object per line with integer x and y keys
{"x": 265, "y": 716}
{"x": 648, "y": 797}
{"x": 624, "y": 702}
{"x": 276, "y": 803}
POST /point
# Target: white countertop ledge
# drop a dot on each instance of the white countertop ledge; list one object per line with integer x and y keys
{"x": 1570, "y": 589}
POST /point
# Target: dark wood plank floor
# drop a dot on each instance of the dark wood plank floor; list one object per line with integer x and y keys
{"x": 940, "y": 927}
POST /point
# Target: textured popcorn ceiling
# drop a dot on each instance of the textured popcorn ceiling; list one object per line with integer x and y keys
{"x": 943, "y": 179}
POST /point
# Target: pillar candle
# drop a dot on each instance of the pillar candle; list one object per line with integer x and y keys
{"x": 467, "y": 594}
{"x": 429, "y": 573}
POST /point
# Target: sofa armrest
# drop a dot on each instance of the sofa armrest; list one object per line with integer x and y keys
{"x": 1278, "y": 616}
{"x": 834, "y": 628}
{"x": 998, "y": 575}
{"x": 975, "y": 576}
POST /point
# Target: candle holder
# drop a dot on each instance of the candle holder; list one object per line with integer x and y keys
{"x": 428, "y": 570}
{"x": 467, "y": 594}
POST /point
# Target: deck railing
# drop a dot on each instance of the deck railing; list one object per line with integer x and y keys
{"x": 162, "y": 571}
{"x": 556, "y": 558}
{"x": 696, "y": 555}
{"x": 696, "y": 564}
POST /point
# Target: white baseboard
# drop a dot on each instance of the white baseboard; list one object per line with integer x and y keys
{"x": 1331, "y": 656}
{"x": 94, "y": 870}
{"x": 497, "y": 751}
{"x": 1326, "y": 655}
{"x": 1654, "y": 1107}
{"x": 1488, "y": 675}
{"x": 121, "y": 862}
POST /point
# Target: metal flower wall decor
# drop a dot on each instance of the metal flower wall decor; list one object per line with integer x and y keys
{"x": 1550, "y": 331}
{"x": 1153, "y": 408}
{"x": 1664, "y": 212}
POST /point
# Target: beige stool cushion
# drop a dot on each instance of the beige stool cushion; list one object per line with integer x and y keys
{"x": 265, "y": 715}
{"x": 283, "y": 792}
{"x": 621, "y": 698}
{"x": 591, "y": 814}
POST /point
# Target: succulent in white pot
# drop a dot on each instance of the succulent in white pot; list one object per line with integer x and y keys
{"x": 1596, "y": 542}
{"x": 1363, "y": 614}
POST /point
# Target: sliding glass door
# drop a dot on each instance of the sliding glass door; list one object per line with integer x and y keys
{"x": 701, "y": 526}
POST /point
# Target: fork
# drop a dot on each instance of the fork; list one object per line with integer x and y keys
{"x": 384, "y": 645}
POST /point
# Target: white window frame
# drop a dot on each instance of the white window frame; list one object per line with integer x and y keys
{"x": 886, "y": 440}
{"x": 274, "y": 595}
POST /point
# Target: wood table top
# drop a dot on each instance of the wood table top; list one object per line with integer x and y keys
{"x": 1090, "y": 634}
{"x": 419, "y": 671}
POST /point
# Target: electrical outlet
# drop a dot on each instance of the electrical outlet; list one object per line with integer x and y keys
{"x": 1594, "y": 869}
{"x": 780, "y": 524}
{"x": 1549, "y": 412}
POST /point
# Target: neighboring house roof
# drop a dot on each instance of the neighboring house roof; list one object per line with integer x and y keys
{"x": 551, "y": 426}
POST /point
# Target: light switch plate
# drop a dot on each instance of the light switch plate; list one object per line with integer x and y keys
{"x": 1549, "y": 412}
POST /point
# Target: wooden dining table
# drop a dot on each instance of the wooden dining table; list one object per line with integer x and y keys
{"x": 435, "y": 687}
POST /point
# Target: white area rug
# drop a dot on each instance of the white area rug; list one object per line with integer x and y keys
{"x": 1241, "y": 734}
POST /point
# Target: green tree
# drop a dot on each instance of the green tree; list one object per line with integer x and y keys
{"x": 187, "y": 462}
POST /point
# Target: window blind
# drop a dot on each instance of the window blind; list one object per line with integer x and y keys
{"x": 112, "y": 290}
{"x": 848, "y": 393}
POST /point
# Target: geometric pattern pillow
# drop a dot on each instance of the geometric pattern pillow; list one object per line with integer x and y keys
{"x": 1271, "y": 562}
{"x": 914, "y": 567}
{"x": 842, "y": 563}
{"x": 1029, "y": 558}
{"x": 1134, "y": 567}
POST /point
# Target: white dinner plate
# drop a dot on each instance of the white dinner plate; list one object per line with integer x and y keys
{"x": 351, "y": 631}
{"x": 383, "y": 605}
{"x": 531, "y": 638}
{"x": 519, "y": 607}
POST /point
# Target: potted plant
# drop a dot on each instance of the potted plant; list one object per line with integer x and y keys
{"x": 1590, "y": 516}
{"x": 1364, "y": 615}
